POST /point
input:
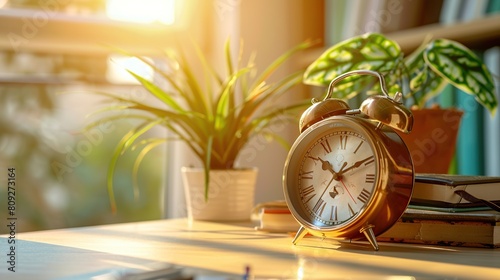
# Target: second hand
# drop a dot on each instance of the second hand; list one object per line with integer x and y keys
{"x": 342, "y": 181}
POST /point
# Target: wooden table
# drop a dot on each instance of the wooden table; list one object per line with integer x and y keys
{"x": 223, "y": 251}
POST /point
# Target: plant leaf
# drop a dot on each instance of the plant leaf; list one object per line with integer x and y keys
{"x": 423, "y": 82}
{"x": 158, "y": 92}
{"x": 279, "y": 61}
{"x": 229, "y": 60}
{"x": 225, "y": 104}
{"x": 126, "y": 141}
{"x": 207, "y": 164}
{"x": 371, "y": 51}
{"x": 462, "y": 68}
{"x": 150, "y": 144}
{"x": 197, "y": 99}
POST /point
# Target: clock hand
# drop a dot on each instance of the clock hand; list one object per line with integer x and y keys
{"x": 326, "y": 165}
{"x": 326, "y": 188}
{"x": 355, "y": 165}
{"x": 347, "y": 190}
{"x": 341, "y": 169}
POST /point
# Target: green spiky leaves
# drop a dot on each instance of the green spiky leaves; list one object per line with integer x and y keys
{"x": 214, "y": 114}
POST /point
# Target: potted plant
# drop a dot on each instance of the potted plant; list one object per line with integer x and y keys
{"x": 214, "y": 115}
{"x": 419, "y": 76}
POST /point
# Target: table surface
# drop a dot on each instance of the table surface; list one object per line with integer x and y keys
{"x": 207, "y": 250}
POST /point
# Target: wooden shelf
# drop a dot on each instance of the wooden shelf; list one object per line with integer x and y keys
{"x": 483, "y": 33}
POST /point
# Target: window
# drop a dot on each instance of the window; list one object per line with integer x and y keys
{"x": 55, "y": 46}
{"x": 144, "y": 11}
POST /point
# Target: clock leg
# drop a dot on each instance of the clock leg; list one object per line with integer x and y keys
{"x": 300, "y": 234}
{"x": 368, "y": 232}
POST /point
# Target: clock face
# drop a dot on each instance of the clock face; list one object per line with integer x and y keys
{"x": 335, "y": 175}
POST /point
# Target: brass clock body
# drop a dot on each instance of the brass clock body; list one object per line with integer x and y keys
{"x": 349, "y": 175}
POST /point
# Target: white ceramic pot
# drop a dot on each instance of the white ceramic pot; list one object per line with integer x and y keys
{"x": 230, "y": 196}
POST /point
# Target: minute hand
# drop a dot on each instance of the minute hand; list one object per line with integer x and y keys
{"x": 357, "y": 164}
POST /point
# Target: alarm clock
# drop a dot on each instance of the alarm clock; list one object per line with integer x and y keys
{"x": 349, "y": 175}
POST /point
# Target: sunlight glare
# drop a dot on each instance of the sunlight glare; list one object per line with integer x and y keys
{"x": 118, "y": 66}
{"x": 142, "y": 11}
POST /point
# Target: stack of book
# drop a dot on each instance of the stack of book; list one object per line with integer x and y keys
{"x": 437, "y": 214}
{"x": 467, "y": 229}
{"x": 274, "y": 216}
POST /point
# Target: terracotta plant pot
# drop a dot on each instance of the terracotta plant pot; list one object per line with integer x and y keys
{"x": 433, "y": 139}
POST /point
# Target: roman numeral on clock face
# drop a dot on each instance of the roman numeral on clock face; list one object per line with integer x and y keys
{"x": 350, "y": 209}
{"x": 307, "y": 175}
{"x": 333, "y": 213}
{"x": 364, "y": 196}
{"x": 343, "y": 142}
{"x": 326, "y": 146}
{"x": 307, "y": 191}
{"x": 370, "y": 178}
{"x": 359, "y": 146}
{"x": 319, "y": 207}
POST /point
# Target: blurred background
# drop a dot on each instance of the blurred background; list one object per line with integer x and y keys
{"x": 53, "y": 53}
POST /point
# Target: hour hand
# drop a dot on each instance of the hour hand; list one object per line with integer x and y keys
{"x": 326, "y": 165}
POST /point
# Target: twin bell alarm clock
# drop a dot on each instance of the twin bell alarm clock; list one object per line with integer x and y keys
{"x": 349, "y": 175}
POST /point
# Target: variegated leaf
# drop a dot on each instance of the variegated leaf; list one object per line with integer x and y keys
{"x": 461, "y": 67}
{"x": 423, "y": 82}
{"x": 371, "y": 51}
{"x": 424, "y": 85}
